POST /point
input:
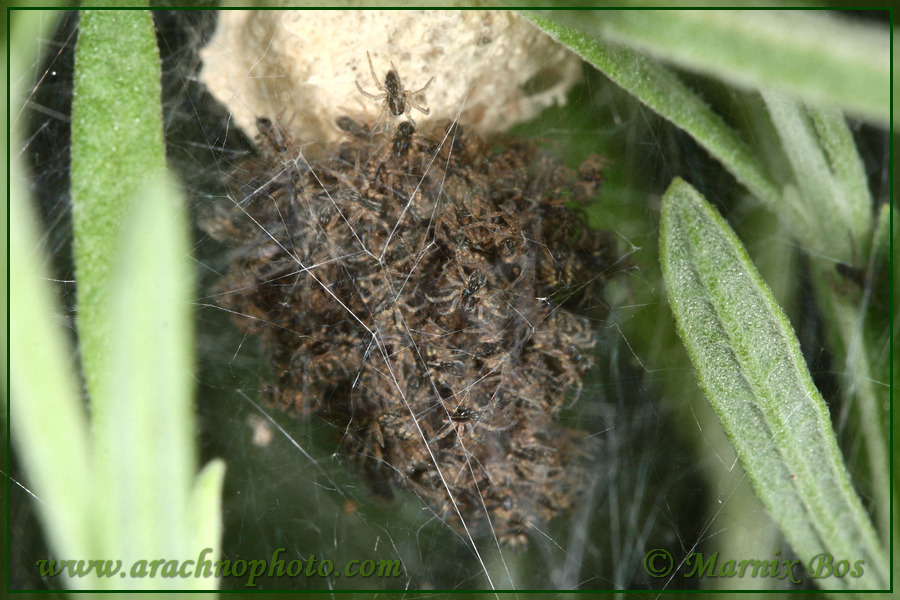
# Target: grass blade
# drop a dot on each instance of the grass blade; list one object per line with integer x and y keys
{"x": 749, "y": 365}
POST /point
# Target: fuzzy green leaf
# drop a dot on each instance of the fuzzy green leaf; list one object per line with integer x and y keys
{"x": 659, "y": 89}
{"x": 44, "y": 391}
{"x": 137, "y": 489}
{"x": 815, "y": 55}
{"x": 206, "y": 516}
{"x": 48, "y": 423}
{"x": 749, "y": 365}
{"x": 117, "y": 140}
{"x": 144, "y": 452}
{"x": 830, "y": 208}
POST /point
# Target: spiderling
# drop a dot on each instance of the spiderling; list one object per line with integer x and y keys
{"x": 432, "y": 298}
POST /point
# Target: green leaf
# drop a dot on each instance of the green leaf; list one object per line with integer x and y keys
{"x": 815, "y": 55}
{"x": 749, "y": 365}
{"x": 135, "y": 317}
{"x": 122, "y": 487}
{"x": 205, "y": 516}
{"x": 830, "y": 209}
{"x": 145, "y": 460}
{"x": 117, "y": 140}
{"x": 862, "y": 369}
{"x": 44, "y": 392}
{"x": 144, "y": 453}
{"x": 659, "y": 89}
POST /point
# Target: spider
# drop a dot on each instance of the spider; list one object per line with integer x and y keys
{"x": 464, "y": 421}
{"x": 402, "y": 138}
{"x": 465, "y": 293}
{"x": 348, "y": 125}
{"x": 394, "y": 98}
{"x": 273, "y": 138}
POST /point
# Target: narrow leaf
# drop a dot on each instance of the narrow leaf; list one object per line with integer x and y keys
{"x": 116, "y": 142}
{"x": 144, "y": 446}
{"x": 206, "y": 518}
{"x": 819, "y": 56}
{"x": 832, "y": 212}
{"x": 749, "y": 365}
{"x": 135, "y": 317}
{"x": 660, "y": 90}
{"x": 48, "y": 420}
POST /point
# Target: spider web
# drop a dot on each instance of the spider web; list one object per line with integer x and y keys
{"x": 289, "y": 484}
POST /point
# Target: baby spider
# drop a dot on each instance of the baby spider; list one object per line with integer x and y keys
{"x": 394, "y": 98}
{"x": 463, "y": 421}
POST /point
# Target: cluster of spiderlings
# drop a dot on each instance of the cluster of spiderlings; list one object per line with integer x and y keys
{"x": 431, "y": 298}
